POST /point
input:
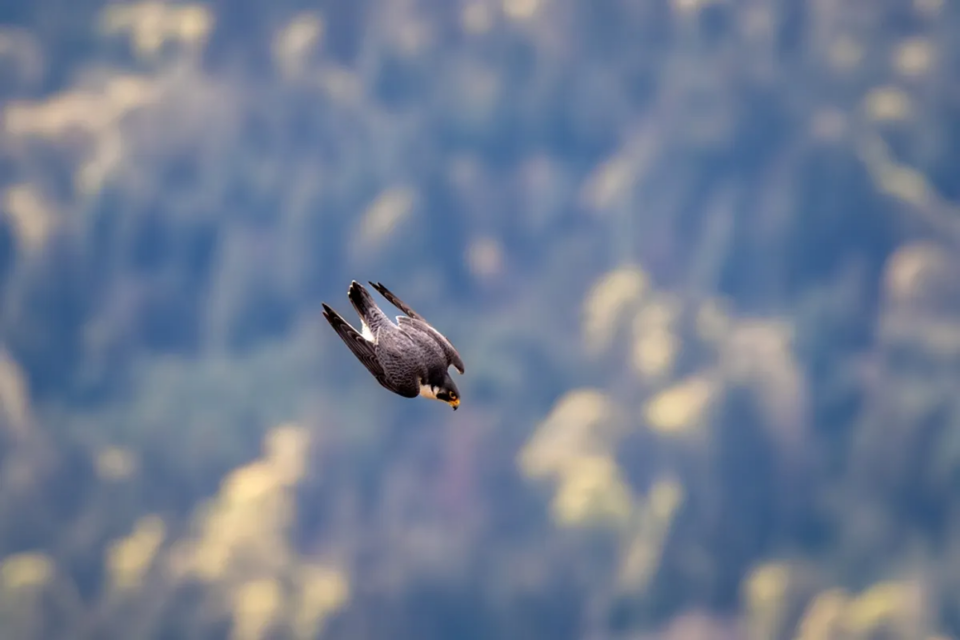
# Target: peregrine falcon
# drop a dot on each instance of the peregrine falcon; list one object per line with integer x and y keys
{"x": 410, "y": 358}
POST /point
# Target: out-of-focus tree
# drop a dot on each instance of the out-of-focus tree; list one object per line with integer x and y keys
{"x": 698, "y": 255}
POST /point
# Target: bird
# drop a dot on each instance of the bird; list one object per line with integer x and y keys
{"x": 409, "y": 358}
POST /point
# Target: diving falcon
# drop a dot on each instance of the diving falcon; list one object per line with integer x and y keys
{"x": 410, "y": 358}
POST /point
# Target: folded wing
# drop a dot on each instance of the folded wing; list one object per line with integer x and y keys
{"x": 418, "y": 321}
{"x": 363, "y": 349}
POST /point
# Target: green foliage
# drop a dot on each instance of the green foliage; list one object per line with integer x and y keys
{"x": 699, "y": 256}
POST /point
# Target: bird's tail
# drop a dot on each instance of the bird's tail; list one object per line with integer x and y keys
{"x": 365, "y": 305}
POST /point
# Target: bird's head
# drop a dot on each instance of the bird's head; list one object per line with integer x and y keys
{"x": 442, "y": 388}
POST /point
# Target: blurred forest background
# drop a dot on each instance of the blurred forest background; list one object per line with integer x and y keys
{"x": 701, "y": 257}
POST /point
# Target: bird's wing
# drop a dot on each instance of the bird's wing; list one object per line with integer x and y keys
{"x": 402, "y": 360}
{"x": 415, "y": 319}
{"x": 362, "y": 348}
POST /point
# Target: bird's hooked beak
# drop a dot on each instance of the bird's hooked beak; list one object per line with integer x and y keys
{"x": 455, "y": 404}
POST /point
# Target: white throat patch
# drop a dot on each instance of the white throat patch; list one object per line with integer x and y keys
{"x": 426, "y": 391}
